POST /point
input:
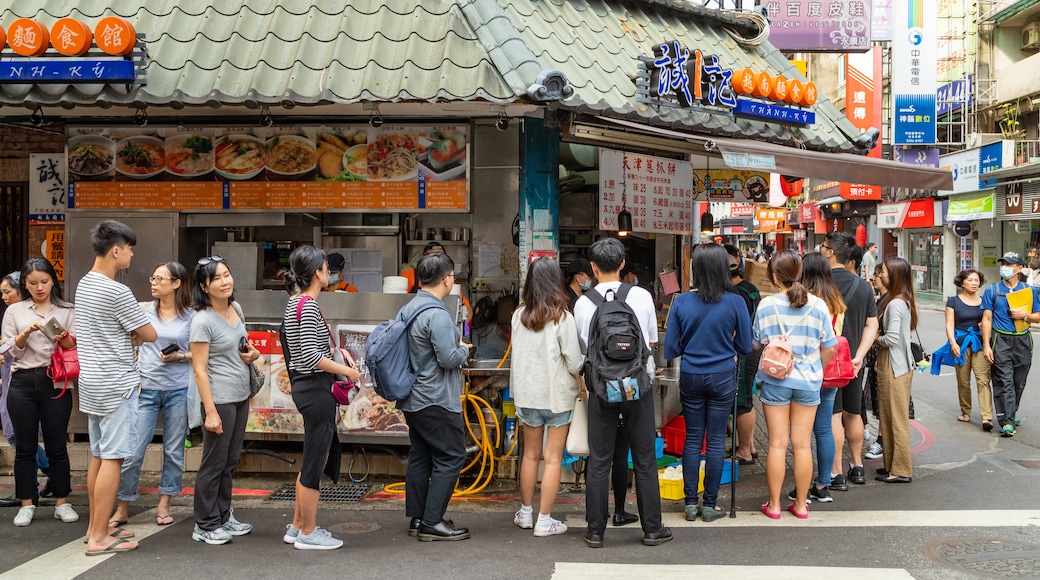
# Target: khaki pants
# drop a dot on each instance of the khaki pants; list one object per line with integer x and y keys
{"x": 894, "y": 415}
{"x": 975, "y": 362}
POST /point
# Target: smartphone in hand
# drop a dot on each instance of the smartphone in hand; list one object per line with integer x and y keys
{"x": 169, "y": 349}
{"x": 243, "y": 345}
{"x": 52, "y": 328}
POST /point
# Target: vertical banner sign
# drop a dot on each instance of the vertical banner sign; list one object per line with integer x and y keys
{"x": 881, "y": 20}
{"x": 913, "y": 74}
{"x": 47, "y": 188}
{"x": 863, "y": 108}
{"x": 55, "y": 252}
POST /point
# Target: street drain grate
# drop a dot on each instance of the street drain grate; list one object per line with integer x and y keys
{"x": 1027, "y": 463}
{"x": 991, "y": 558}
{"x": 334, "y": 493}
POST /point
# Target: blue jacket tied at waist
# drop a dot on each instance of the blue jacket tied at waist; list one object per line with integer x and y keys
{"x": 969, "y": 339}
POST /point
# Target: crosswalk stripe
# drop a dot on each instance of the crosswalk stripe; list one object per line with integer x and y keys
{"x": 600, "y": 571}
{"x": 825, "y": 518}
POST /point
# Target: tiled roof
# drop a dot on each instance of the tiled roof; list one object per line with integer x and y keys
{"x": 596, "y": 43}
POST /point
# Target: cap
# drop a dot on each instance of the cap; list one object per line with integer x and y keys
{"x": 431, "y": 246}
{"x": 580, "y": 266}
{"x": 1012, "y": 258}
{"x": 336, "y": 262}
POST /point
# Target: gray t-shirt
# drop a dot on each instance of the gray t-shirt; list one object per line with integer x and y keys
{"x": 228, "y": 374}
{"x": 157, "y": 375}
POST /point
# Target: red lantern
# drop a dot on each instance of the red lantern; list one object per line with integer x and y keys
{"x": 792, "y": 188}
{"x": 861, "y": 235}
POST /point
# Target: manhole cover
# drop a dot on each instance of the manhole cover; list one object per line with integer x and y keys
{"x": 354, "y": 528}
{"x": 334, "y": 493}
{"x": 1027, "y": 463}
{"x": 992, "y": 558}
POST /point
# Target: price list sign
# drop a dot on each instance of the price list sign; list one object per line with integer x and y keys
{"x": 657, "y": 191}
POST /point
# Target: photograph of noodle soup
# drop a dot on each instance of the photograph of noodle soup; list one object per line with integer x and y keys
{"x": 239, "y": 156}
{"x": 91, "y": 157}
{"x": 140, "y": 157}
{"x": 289, "y": 156}
{"x": 394, "y": 157}
{"x": 189, "y": 155}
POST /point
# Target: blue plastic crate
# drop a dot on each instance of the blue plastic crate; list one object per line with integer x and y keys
{"x": 658, "y": 449}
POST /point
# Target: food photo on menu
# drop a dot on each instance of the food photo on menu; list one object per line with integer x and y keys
{"x": 368, "y": 411}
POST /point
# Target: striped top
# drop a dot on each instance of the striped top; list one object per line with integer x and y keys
{"x": 308, "y": 340}
{"x": 806, "y": 337}
{"x": 106, "y": 314}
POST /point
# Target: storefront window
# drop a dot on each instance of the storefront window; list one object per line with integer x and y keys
{"x": 926, "y": 254}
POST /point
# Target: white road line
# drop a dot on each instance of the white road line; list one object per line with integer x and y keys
{"x": 827, "y": 518}
{"x": 69, "y": 561}
{"x": 597, "y": 571}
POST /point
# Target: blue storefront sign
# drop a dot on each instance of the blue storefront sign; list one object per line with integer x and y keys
{"x": 774, "y": 112}
{"x": 69, "y": 71}
{"x": 954, "y": 95}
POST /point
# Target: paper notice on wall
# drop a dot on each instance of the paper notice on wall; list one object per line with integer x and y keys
{"x": 489, "y": 261}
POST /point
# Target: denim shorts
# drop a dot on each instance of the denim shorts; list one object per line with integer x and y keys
{"x": 771, "y": 394}
{"x": 114, "y": 436}
{"x": 540, "y": 417}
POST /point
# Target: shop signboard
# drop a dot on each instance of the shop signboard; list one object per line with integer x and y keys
{"x": 919, "y": 213}
{"x": 863, "y": 109}
{"x": 833, "y": 26}
{"x": 29, "y": 39}
{"x": 1013, "y": 199}
{"x": 808, "y": 212}
{"x": 922, "y": 157}
{"x": 881, "y": 20}
{"x": 954, "y": 95}
{"x": 55, "y": 252}
{"x": 913, "y": 83}
{"x": 655, "y": 190}
{"x": 771, "y": 220}
{"x": 970, "y": 207}
{"x": 741, "y": 210}
{"x": 993, "y": 157}
{"x": 47, "y": 179}
{"x": 314, "y": 168}
{"x": 965, "y": 168}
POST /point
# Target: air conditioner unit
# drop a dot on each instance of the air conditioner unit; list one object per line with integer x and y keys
{"x": 1031, "y": 36}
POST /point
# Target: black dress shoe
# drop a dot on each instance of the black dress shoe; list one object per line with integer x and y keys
{"x": 442, "y": 531}
{"x": 594, "y": 539}
{"x": 625, "y": 518}
{"x": 657, "y": 538}
{"x": 413, "y": 526}
{"x": 894, "y": 479}
{"x": 10, "y": 501}
{"x": 46, "y": 491}
{"x": 881, "y": 471}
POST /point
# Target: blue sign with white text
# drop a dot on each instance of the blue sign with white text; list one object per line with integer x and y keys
{"x": 991, "y": 157}
{"x": 69, "y": 71}
{"x": 915, "y": 116}
{"x": 954, "y": 95}
{"x": 774, "y": 112}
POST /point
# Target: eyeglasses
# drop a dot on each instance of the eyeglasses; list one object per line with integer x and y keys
{"x": 157, "y": 279}
{"x": 210, "y": 259}
{"x": 826, "y": 247}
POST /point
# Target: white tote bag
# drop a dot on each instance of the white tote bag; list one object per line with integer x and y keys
{"x": 578, "y": 436}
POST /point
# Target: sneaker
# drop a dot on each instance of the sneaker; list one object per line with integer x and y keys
{"x": 25, "y": 516}
{"x": 1005, "y": 431}
{"x": 211, "y": 537}
{"x": 820, "y": 494}
{"x": 1018, "y": 422}
{"x": 793, "y": 495}
{"x": 319, "y": 539}
{"x": 875, "y": 451}
{"x": 554, "y": 527}
{"x": 856, "y": 475}
{"x": 65, "y": 513}
{"x": 525, "y": 521}
{"x": 290, "y": 534}
{"x": 838, "y": 483}
{"x": 235, "y": 527}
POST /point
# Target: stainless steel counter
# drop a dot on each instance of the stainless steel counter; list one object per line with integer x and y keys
{"x": 666, "y": 404}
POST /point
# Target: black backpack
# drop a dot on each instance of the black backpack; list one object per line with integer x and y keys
{"x": 615, "y": 367}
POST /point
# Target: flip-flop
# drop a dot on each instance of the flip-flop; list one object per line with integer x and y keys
{"x": 162, "y": 520}
{"x": 742, "y": 461}
{"x": 116, "y": 523}
{"x": 119, "y": 535}
{"x": 112, "y": 548}
{"x": 964, "y": 418}
{"x": 754, "y": 455}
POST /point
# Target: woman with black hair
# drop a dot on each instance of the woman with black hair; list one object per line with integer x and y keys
{"x": 895, "y": 366}
{"x": 34, "y": 402}
{"x": 312, "y": 370}
{"x": 222, "y": 376}
{"x": 164, "y": 364}
{"x": 709, "y": 327}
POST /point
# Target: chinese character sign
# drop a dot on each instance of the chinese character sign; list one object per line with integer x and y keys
{"x": 658, "y": 192}
{"x": 819, "y": 25}
{"x": 913, "y": 80}
{"x": 863, "y": 109}
{"x": 47, "y": 188}
{"x": 690, "y": 77}
{"x": 55, "y": 252}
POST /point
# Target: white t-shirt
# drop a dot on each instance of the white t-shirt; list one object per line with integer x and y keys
{"x": 639, "y": 300}
{"x": 106, "y": 314}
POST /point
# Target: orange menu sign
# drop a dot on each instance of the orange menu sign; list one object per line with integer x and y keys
{"x": 148, "y": 195}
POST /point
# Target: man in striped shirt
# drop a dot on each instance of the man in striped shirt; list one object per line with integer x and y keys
{"x": 110, "y": 323}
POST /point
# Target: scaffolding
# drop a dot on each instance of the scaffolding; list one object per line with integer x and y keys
{"x": 956, "y": 72}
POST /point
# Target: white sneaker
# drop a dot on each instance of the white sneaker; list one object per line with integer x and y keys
{"x": 213, "y": 538}
{"x": 291, "y": 532}
{"x": 319, "y": 539}
{"x": 235, "y": 527}
{"x": 25, "y": 516}
{"x": 875, "y": 451}
{"x": 525, "y": 521}
{"x": 65, "y": 513}
{"x": 552, "y": 528}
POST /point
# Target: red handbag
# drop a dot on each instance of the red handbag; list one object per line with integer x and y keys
{"x": 840, "y": 370}
{"x": 64, "y": 367}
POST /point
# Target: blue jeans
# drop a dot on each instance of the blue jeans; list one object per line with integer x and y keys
{"x": 174, "y": 408}
{"x": 707, "y": 401}
{"x": 824, "y": 436}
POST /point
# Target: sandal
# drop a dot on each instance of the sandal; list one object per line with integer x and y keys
{"x": 163, "y": 520}
{"x": 987, "y": 425}
{"x": 114, "y": 548}
{"x": 964, "y": 418}
{"x": 114, "y": 523}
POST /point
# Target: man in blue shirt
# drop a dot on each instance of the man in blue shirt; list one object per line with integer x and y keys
{"x": 1009, "y": 350}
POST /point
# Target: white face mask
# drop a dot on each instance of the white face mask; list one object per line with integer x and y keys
{"x": 333, "y": 279}
{"x": 585, "y": 285}
{"x": 1007, "y": 272}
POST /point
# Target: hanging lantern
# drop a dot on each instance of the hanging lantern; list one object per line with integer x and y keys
{"x": 861, "y": 235}
{"x": 791, "y": 186}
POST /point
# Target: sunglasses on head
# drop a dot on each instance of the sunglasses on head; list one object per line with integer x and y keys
{"x": 209, "y": 260}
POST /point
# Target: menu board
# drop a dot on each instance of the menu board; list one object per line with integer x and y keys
{"x": 658, "y": 192}
{"x": 302, "y": 167}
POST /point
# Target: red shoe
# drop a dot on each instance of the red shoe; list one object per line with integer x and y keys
{"x": 765, "y": 510}
{"x": 804, "y": 516}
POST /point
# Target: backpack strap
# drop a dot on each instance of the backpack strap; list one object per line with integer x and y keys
{"x": 411, "y": 318}
{"x": 622, "y": 292}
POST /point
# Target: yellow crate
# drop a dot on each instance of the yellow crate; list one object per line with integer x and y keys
{"x": 672, "y": 489}
{"x": 509, "y": 408}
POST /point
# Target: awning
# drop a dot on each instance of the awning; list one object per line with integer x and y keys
{"x": 1016, "y": 174}
{"x": 758, "y": 156}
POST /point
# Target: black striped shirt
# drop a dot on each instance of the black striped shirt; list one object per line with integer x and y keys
{"x": 307, "y": 339}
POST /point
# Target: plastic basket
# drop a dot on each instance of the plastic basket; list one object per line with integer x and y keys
{"x": 671, "y": 489}
{"x": 658, "y": 449}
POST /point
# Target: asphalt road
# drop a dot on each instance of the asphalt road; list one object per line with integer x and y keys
{"x": 970, "y": 512}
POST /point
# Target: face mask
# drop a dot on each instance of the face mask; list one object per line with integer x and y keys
{"x": 585, "y": 285}
{"x": 1007, "y": 272}
{"x": 333, "y": 279}
{"x": 635, "y": 281}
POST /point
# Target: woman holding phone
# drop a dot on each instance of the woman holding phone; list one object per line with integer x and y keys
{"x": 164, "y": 365}
{"x": 33, "y": 402}
{"x": 220, "y": 356}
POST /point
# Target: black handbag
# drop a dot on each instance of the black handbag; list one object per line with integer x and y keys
{"x": 921, "y": 357}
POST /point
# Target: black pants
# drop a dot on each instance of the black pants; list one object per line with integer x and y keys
{"x": 1012, "y": 357}
{"x": 619, "y": 470}
{"x": 32, "y": 407}
{"x": 312, "y": 395}
{"x": 603, "y": 429}
{"x": 436, "y": 457}
{"x": 220, "y": 454}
